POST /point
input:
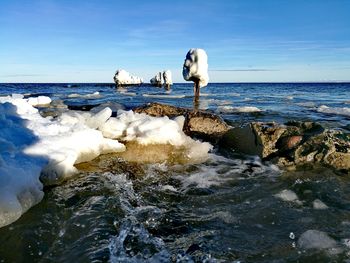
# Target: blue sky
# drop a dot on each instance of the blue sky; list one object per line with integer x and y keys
{"x": 246, "y": 41}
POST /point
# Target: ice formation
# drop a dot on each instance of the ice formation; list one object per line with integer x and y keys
{"x": 33, "y": 147}
{"x": 157, "y": 80}
{"x": 195, "y": 67}
{"x": 123, "y": 77}
{"x": 167, "y": 77}
{"x": 314, "y": 239}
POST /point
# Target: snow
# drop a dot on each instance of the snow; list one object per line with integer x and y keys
{"x": 157, "y": 80}
{"x": 167, "y": 77}
{"x": 123, "y": 77}
{"x": 33, "y": 147}
{"x": 196, "y": 66}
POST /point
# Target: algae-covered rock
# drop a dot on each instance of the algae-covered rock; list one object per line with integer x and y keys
{"x": 159, "y": 110}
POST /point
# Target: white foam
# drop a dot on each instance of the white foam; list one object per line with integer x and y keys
{"x": 196, "y": 66}
{"x": 337, "y": 111}
{"x": 231, "y": 109}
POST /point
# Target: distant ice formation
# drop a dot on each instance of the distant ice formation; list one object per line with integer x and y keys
{"x": 167, "y": 78}
{"x": 162, "y": 78}
{"x": 33, "y": 147}
{"x": 195, "y": 69}
{"x": 157, "y": 80}
{"x": 122, "y": 78}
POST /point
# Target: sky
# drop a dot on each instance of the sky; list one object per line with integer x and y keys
{"x": 246, "y": 40}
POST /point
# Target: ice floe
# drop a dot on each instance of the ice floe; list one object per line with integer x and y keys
{"x": 334, "y": 110}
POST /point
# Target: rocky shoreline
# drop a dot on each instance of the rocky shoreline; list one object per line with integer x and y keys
{"x": 290, "y": 145}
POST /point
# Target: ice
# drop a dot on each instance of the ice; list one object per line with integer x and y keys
{"x": 157, "y": 80}
{"x": 123, "y": 77}
{"x": 337, "y": 111}
{"x": 288, "y": 196}
{"x": 318, "y": 204}
{"x": 167, "y": 77}
{"x": 34, "y": 147}
{"x": 41, "y": 100}
{"x": 230, "y": 109}
{"x": 314, "y": 239}
{"x": 196, "y": 66}
{"x": 94, "y": 95}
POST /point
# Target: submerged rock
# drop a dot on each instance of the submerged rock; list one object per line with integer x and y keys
{"x": 314, "y": 239}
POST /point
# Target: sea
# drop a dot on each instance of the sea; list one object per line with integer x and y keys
{"x": 230, "y": 208}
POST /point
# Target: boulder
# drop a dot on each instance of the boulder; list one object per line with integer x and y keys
{"x": 205, "y": 125}
{"x": 160, "y": 110}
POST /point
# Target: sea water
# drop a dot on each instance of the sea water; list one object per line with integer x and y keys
{"x": 229, "y": 208}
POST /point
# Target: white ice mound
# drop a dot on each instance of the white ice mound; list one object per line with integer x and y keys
{"x": 195, "y": 67}
{"x": 123, "y": 77}
{"x": 167, "y": 77}
{"x": 288, "y": 196}
{"x": 243, "y": 109}
{"x": 314, "y": 239}
{"x": 32, "y": 146}
{"x": 157, "y": 80}
{"x": 144, "y": 129}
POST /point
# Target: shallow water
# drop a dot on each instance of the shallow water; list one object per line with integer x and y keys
{"x": 224, "y": 210}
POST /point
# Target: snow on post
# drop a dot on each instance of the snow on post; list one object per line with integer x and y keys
{"x": 124, "y": 78}
{"x": 157, "y": 80}
{"x": 195, "y": 69}
{"x": 167, "y": 78}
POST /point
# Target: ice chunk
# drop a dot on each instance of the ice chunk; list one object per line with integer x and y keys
{"x": 314, "y": 239}
{"x": 318, "y": 204}
{"x": 123, "y": 77}
{"x": 167, "y": 77}
{"x": 196, "y": 66}
{"x": 157, "y": 80}
{"x": 288, "y": 196}
{"x": 230, "y": 109}
{"x": 336, "y": 110}
{"x": 41, "y": 100}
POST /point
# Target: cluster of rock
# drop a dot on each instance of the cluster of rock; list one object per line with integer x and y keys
{"x": 162, "y": 78}
{"x": 124, "y": 78}
{"x": 290, "y": 145}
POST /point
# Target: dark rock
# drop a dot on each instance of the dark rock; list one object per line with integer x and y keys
{"x": 205, "y": 125}
{"x": 160, "y": 110}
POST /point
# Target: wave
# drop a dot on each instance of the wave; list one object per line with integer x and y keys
{"x": 334, "y": 110}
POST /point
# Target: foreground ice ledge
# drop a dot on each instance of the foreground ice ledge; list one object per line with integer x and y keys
{"x": 33, "y": 146}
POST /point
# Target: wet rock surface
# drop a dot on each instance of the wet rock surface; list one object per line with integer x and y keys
{"x": 292, "y": 144}
{"x": 200, "y": 124}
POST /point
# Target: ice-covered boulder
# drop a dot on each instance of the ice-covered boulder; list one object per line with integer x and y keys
{"x": 157, "y": 80}
{"x": 195, "y": 68}
{"x": 167, "y": 78}
{"x": 124, "y": 78}
{"x": 315, "y": 239}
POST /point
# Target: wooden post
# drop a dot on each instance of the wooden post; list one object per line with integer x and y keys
{"x": 196, "y": 90}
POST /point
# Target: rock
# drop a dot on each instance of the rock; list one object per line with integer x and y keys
{"x": 159, "y": 110}
{"x": 267, "y": 135}
{"x": 205, "y": 125}
{"x": 314, "y": 239}
{"x": 288, "y": 196}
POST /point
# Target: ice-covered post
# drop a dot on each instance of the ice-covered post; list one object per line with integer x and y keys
{"x": 167, "y": 79}
{"x": 196, "y": 69}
